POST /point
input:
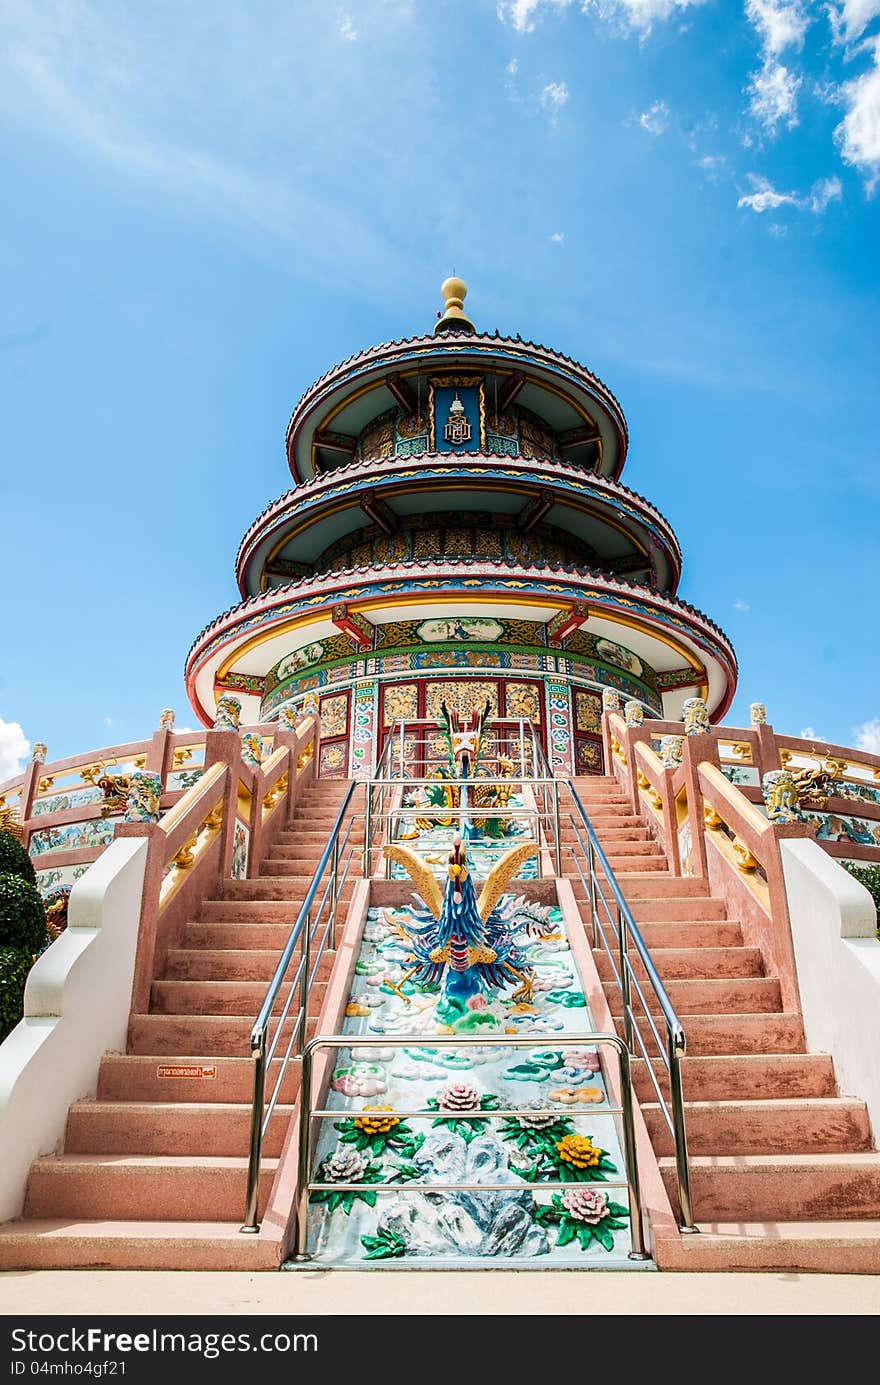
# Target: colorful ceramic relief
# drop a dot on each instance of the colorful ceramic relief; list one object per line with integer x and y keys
{"x": 145, "y": 791}
{"x": 696, "y": 716}
{"x": 39, "y": 752}
{"x": 758, "y": 714}
{"x": 288, "y": 718}
{"x": 456, "y": 628}
{"x": 167, "y": 720}
{"x": 633, "y": 713}
{"x": 252, "y": 748}
{"x": 610, "y": 700}
{"x": 241, "y": 839}
{"x": 671, "y": 751}
{"x": 73, "y": 836}
{"x": 310, "y": 705}
{"x": 228, "y": 713}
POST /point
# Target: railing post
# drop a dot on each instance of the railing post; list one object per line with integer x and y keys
{"x": 637, "y": 1234}
{"x": 302, "y": 1173}
{"x": 557, "y": 838}
{"x": 682, "y": 1169}
{"x": 594, "y": 908}
{"x": 251, "y": 1225}
{"x": 305, "y": 959}
{"x": 368, "y": 829}
{"x": 334, "y": 893}
{"x": 625, "y": 980}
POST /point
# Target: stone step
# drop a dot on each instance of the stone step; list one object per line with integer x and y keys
{"x": 824, "y": 1125}
{"x": 667, "y": 910}
{"x": 309, "y": 843}
{"x": 83, "y": 1244}
{"x": 622, "y": 863}
{"x": 146, "y": 1077}
{"x": 169, "y": 1127}
{"x": 750, "y": 995}
{"x": 780, "y": 1187}
{"x": 654, "y": 884}
{"x": 146, "y": 1187}
{"x": 621, "y": 846}
{"x": 232, "y": 964}
{"x": 726, "y": 1034}
{"x": 849, "y": 1247}
{"x": 222, "y": 997}
{"x": 206, "y": 1036}
{"x": 743, "y": 1077}
{"x": 263, "y": 937}
{"x": 698, "y": 963}
{"x": 695, "y": 934}
{"x": 608, "y": 823}
{"x": 289, "y": 887}
{"x": 256, "y": 911}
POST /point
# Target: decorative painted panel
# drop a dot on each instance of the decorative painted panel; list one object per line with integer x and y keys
{"x": 465, "y": 698}
{"x": 523, "y": 700}
{"x": 74, "y": 836}
{"x": 241, "y": 841}
{"x": 400, "y": 702}
{"x": 589, "y": 757}
{"x": 587, "y": 712}
{"x": 334, "y": 716}
{"x": 363, "y": 730}
{"x": 560, "y": 748}
{"x": 332, "y": 761}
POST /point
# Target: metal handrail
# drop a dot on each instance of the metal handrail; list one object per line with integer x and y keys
{"x": 627, "y": 936}
{"x": 337, "y": 1041}
{"x": 263, "y": 1052}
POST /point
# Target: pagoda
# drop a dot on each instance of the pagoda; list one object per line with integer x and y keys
{"x": 457, "y": 531}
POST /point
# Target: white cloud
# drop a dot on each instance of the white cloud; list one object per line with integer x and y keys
{"x": 868, "y": 736}
{"x": 14, "y": 749}
{"x": 557, "y": 237}
{"x": 858, "y": 134}
{"x": 655, "y": 119}
{"x": 809, "y": 733}
{"x": 780, "y": 24}
{"x": 553, "y": 96}
{"x": 777, "y": 230}
{"x": 347, "y": 30}
{"x": 765, "y": 198}
{"x": 740, "y": 605}
{"x": 513, "y": 67}
{"x": 823, "y": 191}
{"x": 711, "y": 164}
{"x": 773, "y": 93}
{"x": 850, "y": 18}
{"x": 630, "y": 16}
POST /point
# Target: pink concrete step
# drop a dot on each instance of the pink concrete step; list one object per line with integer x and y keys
{"x": 71, "y": 1244}
{"x": 670, "y": 909}
{"x": 311, "y": 843}
{"x": 148, "y": 1077}
{"x": 849, "y": 1247}
{"x": 622, "y": 846}
{"x": 781, "y": 1187}
{"x": 148, "y": 1187}
{"x": 695, "y": 934}
{"x": 232, "y": 964}
{"x": 732, "y": 1033}
{"x": 678, "y": 964}
{"x": 169, "y": 1127}
{"x": 614, "y": 823}
{"x": 222, "y": 935}
{"x": 627, "y": 865}
{"x": 206, "y": 1036}
{"x": 743, "y": 1077}
{"x": 288, "y": 887}
{"x": 655, "y": 884}
{"x": 825, "y": 1125}
{"x": 221, "y": 997}
{"x": 256, "y": 911}
{"x": 750, "y": 995}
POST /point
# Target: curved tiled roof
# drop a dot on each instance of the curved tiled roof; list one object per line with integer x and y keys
{"x": 479, "y": 342}
{"x": 308, "y": 490}
{"x": 303, "y": 586}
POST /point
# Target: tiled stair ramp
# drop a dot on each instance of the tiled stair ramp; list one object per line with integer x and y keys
{"x": 153, "y": 1171}
{"x": 784, "y": 1171}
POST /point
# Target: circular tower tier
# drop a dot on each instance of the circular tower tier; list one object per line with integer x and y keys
{"x": 458, "y": 533}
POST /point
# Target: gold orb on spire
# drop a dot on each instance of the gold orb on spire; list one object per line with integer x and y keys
{"x": 454, "y": 319}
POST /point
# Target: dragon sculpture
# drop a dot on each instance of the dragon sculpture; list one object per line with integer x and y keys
{"x": 465, "y": 942}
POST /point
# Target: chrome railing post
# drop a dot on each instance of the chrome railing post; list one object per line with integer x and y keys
{"x": 557, "y": 838}
{"x": 334, "y": 893}
{"x": 682, "y": 1168}
{"x": 625, "y": 979}
{"x": 637, "y": 1233}
{"x": 594, "y": 908}
{"x": 251, "y": 1225}
{"x": 305, "y": 959}
{"x": 368, "y": 830}
{"x": 305, "y": 1120}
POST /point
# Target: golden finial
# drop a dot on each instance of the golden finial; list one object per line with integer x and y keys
{"x": 454, "y": 319}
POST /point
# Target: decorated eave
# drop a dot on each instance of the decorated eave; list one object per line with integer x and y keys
{"x": 303, "y": 522}
{"x": 344, "y": 400}
{"x": 250, "y": 637}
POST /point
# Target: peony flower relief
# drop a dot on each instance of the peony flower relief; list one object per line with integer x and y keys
{"x": 346, "y": 1165}
{"x": 457, "y": 1098}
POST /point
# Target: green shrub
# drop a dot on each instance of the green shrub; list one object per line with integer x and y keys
{"x": 869, "y": 876}
{"x": 22, "y": 916}
{"x": 14, "y": 859}
{"x": 15, "y": 963}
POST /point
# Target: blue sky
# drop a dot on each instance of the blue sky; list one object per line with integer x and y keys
{"x": 206, "y": 206}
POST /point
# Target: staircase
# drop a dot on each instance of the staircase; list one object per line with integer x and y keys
{"x": 784, "y": 1171}
{"x": 153, "y": 1172}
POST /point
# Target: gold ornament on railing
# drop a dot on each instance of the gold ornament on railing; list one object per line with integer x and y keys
{"x": 712, "y": 820}
{"x": 9, "y": 822}
{"x": 745, "y": 860}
